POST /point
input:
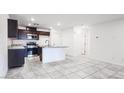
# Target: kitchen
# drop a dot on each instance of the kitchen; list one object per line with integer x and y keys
{"x": 56, "y": 46}
{"x": 61, "y": 45}
{"x": 30, "y": 42}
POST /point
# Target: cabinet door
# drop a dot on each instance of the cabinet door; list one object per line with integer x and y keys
{"x": 43, "y": 33}
{"x": 12, "y": 28}
{"x": 22, "y": 35}
{"x": 40, "y": 53}
{"x": 20, "y": 57}
{"x": 12, "y": 58}
{"x": 16, "y": 57}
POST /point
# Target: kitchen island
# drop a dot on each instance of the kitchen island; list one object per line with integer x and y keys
{"x": 53, "y": 54}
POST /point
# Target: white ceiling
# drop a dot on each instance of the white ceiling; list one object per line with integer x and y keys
{"x": 66, "y": 20}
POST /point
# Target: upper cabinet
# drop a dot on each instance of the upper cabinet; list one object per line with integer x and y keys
{"x": 22, "y": 34}
{"x": 27, "y": 35}
{"x": 14, "y": 32}
{"x": 12, "y": 28}
{"x": 33, "y": 35}
{"x": 43, "y": 33}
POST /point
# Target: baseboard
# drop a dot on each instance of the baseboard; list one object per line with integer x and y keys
{"x": 119, "y": 64}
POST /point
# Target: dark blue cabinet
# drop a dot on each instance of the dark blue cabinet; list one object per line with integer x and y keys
{"x": 40, "y": 53}
{"x": 16, "y": 57}
{"x": 12, "y": 28}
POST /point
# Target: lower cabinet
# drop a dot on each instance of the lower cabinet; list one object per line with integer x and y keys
{"x": 16, "y": 57}
{"x": 40, "y": 53}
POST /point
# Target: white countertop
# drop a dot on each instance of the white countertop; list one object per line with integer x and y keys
{"x": 22, "y": 47}
{"x": 16, "y": 47}
{"x": 53, "y": 46}
{"x": 53, "y": 54}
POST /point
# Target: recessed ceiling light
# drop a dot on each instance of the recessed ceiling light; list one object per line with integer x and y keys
{"x": 58, "y": 24}
{"x": 32, "y": 19}
{"x": 29, "y": 24}
{"x": 51, "y": 27}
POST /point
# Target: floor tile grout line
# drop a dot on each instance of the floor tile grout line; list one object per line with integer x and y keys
{"x": 84, "y": 68}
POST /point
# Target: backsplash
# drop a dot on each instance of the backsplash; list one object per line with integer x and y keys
{"x": 40, "y": 42}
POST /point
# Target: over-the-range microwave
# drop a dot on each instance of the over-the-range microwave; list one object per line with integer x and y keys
{"x": 32, "y": 37}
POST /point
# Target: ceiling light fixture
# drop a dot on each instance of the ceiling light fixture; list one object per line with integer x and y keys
{"x": 29, "y": 24}
{"x": 58, "y": 24}
{"x": 51, "y": 27}
{"x": 32, "y": 19}
{"x": 85, "y": 26}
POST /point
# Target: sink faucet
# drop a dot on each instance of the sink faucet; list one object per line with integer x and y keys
{"x": 47, "y": 41}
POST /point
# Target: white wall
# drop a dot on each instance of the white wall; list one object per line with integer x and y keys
{"x": 55, "y": 37}
{"x": 74, "y": 39}
{"x": 109, "y": 46}
{"x": 3, "y": 46}
{"x": 105, "y": 43}
{"x": 67, "y": 40}
{"x": 81, "y": 43}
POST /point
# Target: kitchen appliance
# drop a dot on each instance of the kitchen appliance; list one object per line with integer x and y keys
{"x": 31, "y": 28}
{"x": 32, "y": 37}
{"x": 32, "y": 49}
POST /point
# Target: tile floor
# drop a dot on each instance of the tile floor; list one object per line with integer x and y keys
{"x": 74, "y": 68}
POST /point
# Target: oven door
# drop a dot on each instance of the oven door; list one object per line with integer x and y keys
{"x": 32, "y": 51}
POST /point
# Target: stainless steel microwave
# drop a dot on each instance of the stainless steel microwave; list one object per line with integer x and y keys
{"x": 32, "y": 37}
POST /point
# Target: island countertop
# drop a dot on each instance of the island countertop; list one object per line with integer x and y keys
{"x": 53, "y": 54}
{"x": 53, "y": 46}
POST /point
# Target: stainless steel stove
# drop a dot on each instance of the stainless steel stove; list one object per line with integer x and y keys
{"x": 32, "y": 49}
